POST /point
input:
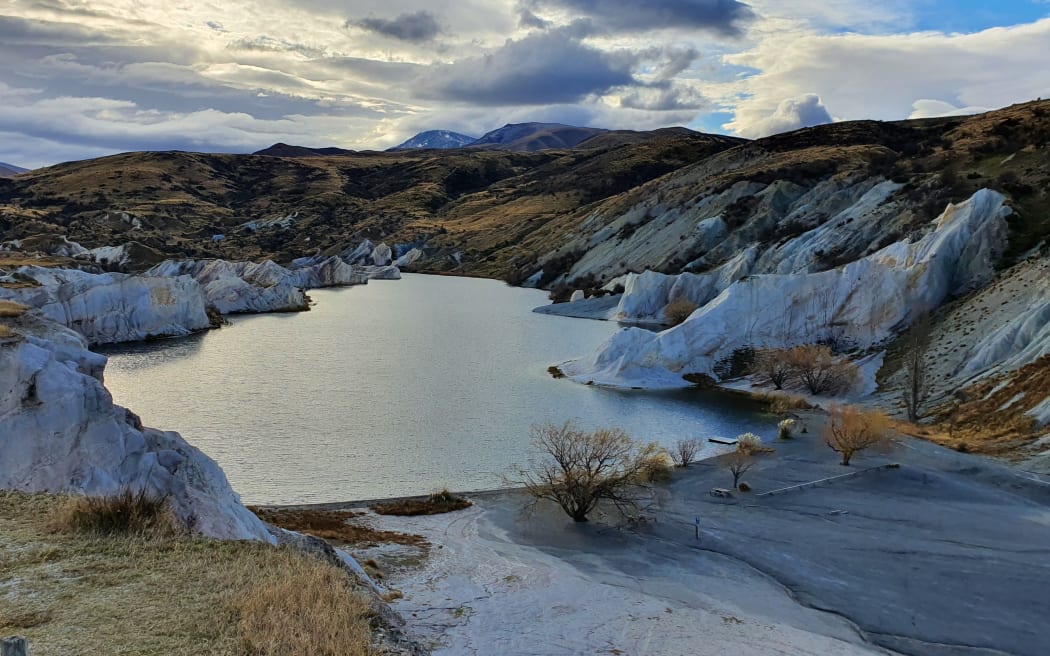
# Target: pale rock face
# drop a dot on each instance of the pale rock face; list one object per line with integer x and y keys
{"x": 577, "y": 295}
{"x": 113, "y": 307}
{"x": 381, "y": 272}
{"x": 409, "y": 258}
{"x": 381, "y": 255}
{"x": 61, "y": 432}
{"x": 863, "y": 303}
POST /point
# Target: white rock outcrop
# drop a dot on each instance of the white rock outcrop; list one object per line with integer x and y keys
{"x": 381, "y": 255}
{"x": 409, "y": 258}
{"x": 113, "y": 307}
{"x": 577, "y": 295}
{"x": 61, "y": 432}
{"x": 863, "y": 303}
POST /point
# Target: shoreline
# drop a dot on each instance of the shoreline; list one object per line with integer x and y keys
{"x": 804, "y": 572}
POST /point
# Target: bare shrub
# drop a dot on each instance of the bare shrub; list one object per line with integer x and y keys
{"x": 751, "y": 444}
{"x": 851, "y": 429}
{"x": 684, "y": 452}
{"x": 578, "y": 469}
{"x": 127, "y": 512}
{"x": 738, "y": 463}
{"x": 304, "y": 606}
{"x": 772, "y": 366}
{"x": 819, "y": 371}
{"x": 916, "y": 386}
{"x": 679, "y": 310}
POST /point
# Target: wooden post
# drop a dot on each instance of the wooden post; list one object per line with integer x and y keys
{"x": 14, "y": 646}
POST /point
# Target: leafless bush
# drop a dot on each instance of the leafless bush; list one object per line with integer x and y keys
{"x": 684, "y": 452}
{"x": 771, "y": 366}
{"x": 850, "y": 430}
{"x": 819, "y": 371}
{"x": 738, "y": 463}
{"x": 578, "y": 469}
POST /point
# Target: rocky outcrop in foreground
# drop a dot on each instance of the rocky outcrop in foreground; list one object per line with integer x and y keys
{"x": 60, "y": 432}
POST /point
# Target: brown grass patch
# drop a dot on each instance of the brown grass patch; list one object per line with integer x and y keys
{"x": 436, "y": 504}
{"x": 335, "y": 526}
{"x": 304, "y": 606}
{"x": 128, "y": 512}
{"x": 679, "y": 310}
{"x": 11, "y": 310}
{"x": 74, "y": 593}
{"x": 6, "y": 332}
{"x": 978, "y": 425}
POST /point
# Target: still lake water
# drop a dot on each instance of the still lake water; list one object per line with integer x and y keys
{"x": 392, "y": 388}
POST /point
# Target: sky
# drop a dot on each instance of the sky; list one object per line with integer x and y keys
{"x": 86, "y": 78}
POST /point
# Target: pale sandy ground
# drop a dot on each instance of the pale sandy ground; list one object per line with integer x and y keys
{"x": 946, "y": 555}
{"x": 482, "y": 593}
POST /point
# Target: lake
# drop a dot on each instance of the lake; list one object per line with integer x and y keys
{"x": 393, "y": 388}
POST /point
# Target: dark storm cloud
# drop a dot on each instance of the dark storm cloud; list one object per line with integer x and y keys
{"x": 415, "y": 27}
{"x": 721, "y": 16}
{"x": 540, "y": 69}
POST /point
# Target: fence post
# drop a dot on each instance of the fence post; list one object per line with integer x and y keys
{"x": 14, "y": 646}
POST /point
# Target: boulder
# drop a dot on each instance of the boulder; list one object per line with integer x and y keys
{"x": 60, "y": 432}
{"x": 381, "y": 255}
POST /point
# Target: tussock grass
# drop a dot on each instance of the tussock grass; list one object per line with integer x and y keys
{"x": 435, "y": 504}
{"x": 679, "y": 310}
{"x": 303, "y": 606}
{"x": 128, "y": 512}
{"x": 751, "y": 445}
{"x": 74, "y": 593}
{"x": 11, "y": 310}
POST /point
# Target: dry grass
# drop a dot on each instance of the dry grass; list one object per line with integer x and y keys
{"x": 6, "y": 332}
{"x": 751, "y": 445}
{"x": 11, "y": 310}
{"x": 679, "y": 310}
{"x": 991, "y": 421}
{"x": 303, "y": 606}
{"x": 335, "y": 526}
{"x": 127, "y": 512}
{"x": 136, "y": 595}
{"x": 435, "y": 504}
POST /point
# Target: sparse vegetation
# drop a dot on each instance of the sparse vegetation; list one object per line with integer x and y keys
{"x": 916, "y": 386}
{"x": 11, "y": 310}
{"x": 684, "y": 452}
{"x": 435, "y": 504}
{"x": 127, "y": 512}
{"x": 851, "y": 430}
{"x": 738, "y": 463}
{"x": 143, "y": 594}
{"x": 679, "y": 310}
{"x": 751, "y": 445}
{"x": 785, "y": 429}
{"x": 578, "y": 469}
{"x": 335, "y": 526}
{"x": 818, "y": 371}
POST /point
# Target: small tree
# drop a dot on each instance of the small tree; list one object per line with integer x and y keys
{"x": 738, "y": 463}
{"x": 772, "y": 366}
{"x": 679, "y": 310}
{"x": 850, "y": 430}
{"x": 577, "y": 469}
{"x": 820, "y": 371}
{"x": 684, "y": 452}
{"x": 916, "y": 343}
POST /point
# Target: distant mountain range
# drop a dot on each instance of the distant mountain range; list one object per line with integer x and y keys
{"x": 514, "y": 137}
{"x": 436, "y": 139}
{"x": 10, "y": 170}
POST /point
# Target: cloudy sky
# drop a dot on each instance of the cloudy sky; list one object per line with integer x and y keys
{"x": 84, "y": 78}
